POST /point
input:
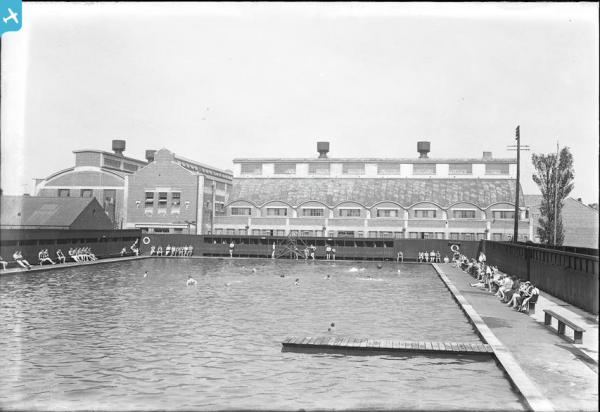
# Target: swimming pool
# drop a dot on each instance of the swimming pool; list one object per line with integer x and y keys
{"x": 106, "y": 337}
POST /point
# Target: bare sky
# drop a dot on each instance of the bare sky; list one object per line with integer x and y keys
{"x": 213, "y": 82}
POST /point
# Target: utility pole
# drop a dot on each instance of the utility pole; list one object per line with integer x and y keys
{"x": 556, "y": 195}
{"x": 518, "y": 148}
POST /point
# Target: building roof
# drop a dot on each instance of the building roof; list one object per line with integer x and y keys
{"x": 138, "y": 162}
{"x": 369, "y": 191}
{"x": 371, "y": 160}
{"x": 30, "y": 211}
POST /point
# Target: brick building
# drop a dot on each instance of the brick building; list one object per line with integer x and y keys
{"x": 96, "y": 174}
{"x": 420, "y": 198}
{"x": 175, "y": 195}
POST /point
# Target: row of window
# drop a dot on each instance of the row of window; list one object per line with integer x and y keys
{"x": 116, "y": 164}
{"x": 75, "y": 192}
{"x": 382, "y": 168}
{"x": 417, "y": 213}
{"x": 370, "y": 234}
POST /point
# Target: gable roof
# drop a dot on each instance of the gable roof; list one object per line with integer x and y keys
{"x": 33, "y": 211}
{"x": 368, "y": 191}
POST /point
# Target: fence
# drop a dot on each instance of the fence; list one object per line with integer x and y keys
{"x": 572, "y": 277}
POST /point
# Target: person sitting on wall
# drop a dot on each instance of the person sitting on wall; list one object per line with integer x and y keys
{"x": 123, "y": 251}
{"x": 482, "y": 257}
{"x": 438, "y": 257}
{"x": 168, "y": 250}
{"x": 45, "y": 257}
{"x": 3, "y": 263}
{"x": 72, "y": 255}
{"x": 134, "y": 248}
{"x": 327, "y": 252}
{"x": 312, "y": 251}
{"x": 152, "y": 250}
{"x": 91, "y": 254}
{"x": 184, "y": 250}
{"x": 306, "y": 253}
{"x": 504, "y": 287}
{"x": 517, "y": 297}
{"x": 333, "y": 253}
{"x": 420, "y": 257}
{"x": 18, "y": 257}
{"x": 400, "y": 257}
{"x": 232, "y": 246}
{"x": 159, "y": 251}
{"x": 432, "y": 256}
{"x": 516, "y": 286}
{"x": 446, "y": 259}
{"x": 60, "y": 256}
{"x": 191, "y": 250}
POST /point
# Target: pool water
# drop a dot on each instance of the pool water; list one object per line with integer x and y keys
{"x": 106, "y": 337}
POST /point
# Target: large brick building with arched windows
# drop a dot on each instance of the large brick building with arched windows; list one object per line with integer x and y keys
{"x": 420, "y": 198}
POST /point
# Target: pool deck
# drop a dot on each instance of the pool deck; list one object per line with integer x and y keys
{"x": 551, "y": 372}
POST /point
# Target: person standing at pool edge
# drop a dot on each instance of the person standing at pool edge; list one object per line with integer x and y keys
{"x": 231, "y": 247}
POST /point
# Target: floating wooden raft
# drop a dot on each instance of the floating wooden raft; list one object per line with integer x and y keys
{"x": 368, "y": 345}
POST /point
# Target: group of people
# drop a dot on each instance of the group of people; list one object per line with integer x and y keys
{"x": 432, "y": 256}
{"x": 511, "y": 290}
{"x": 18, "y": 257}
{"x": 169, "y": 250}
{"x": 82, "y": 254}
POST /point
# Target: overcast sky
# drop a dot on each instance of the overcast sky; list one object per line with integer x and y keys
{"x": 213, "y": 82}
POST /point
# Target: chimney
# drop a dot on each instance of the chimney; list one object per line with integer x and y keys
{"x": 423, "y": 149}
{"x": 118, "y": 147}
{"x": 150, "y": 155}
{"x": 487, "y": 155}
{"x": 323, "y": 149}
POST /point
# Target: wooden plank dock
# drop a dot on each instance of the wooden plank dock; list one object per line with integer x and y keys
{"x": 387, "y": 345}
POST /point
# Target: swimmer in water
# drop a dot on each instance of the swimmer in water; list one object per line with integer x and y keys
{"x": 297, "y": 282}
{"x": 379, "y": 266}
{"x": 331, "y": 327}
{"x": 327, "y": 277}
{"x": 282, "y": 275}
{"x": 253, "y": 270}
{"x": 191, "y": 281}
{"x": 146, "y": 273}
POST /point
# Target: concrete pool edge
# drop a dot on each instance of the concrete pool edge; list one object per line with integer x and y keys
{"x": 37, "y": 268}
{"x": 531, "y": 394}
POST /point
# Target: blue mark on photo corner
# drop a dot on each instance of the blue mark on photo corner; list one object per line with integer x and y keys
{"x": 10, "y": 13}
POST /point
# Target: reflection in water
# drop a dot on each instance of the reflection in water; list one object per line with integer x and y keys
{"x": 106, "y": 337}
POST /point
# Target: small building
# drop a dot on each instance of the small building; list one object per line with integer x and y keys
{"x": 96, "y": 174}
{"x": 58, "y": 213}
{"x": 580, "y": 222}
{"x": 172, "y": 194}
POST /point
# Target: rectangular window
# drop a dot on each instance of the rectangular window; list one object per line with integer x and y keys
{"x": 480, "y": 236}
{"x": 280, "y": 232}
{"x": 277, "y": 211}
{"x": 175, "y": 202}
{"x": 318, "y": 169}
{"x": 345, "y": 233}
{"x": 240, "y": 211}
{"x": 453, "y": 236}
{"x": 413, "y": 235}
{"x": 387, "y": 234}
{"x": 463, "y": 214}
{"x": 353, "y": 168}
{"x": 130, "y": 167}
{"x": 425, "y": 213}
{"x": 388, "y": 212}
{"x": 398, "y": 235}
{"x": 359, "y": 234}
{"x": 496, "y": 168}
{"x": 349, "y": 212}
{"x": 230, "y": 231}
{"x": 86, "y": 192}
{"x": 161, "y": 230}
{"x": 306, "y": 233}
{"x": 388, "y": 168}
{"x": 63, "y": 193}
{"x": 424, "y": 168}
{"x": 503, "y": 214}
{"x": 162, "y": 202}
{"x": 460, "y": 169}
{"x": 115, "y": 164}
{"x": 149, "y": 202}
{"x": 255, "y": 232}
{"x": 372, "y": 234}
{"x": 313, "y": 212}
{"x": 251, "y": 168}
{"x": 285, "y": 168}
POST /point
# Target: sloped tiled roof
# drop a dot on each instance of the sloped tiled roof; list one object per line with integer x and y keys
{"x": 29, "y": 211}
{"x": 368, "y": 191}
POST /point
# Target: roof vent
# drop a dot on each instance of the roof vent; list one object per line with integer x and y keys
{"x": 150, "y": 155}
{"x": 323, "y": 149}
{"x": 423, "y": 149}
{"x": 487, "y": 155}
{"x": 118, "y": 146}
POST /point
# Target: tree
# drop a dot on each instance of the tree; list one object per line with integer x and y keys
{"x": 553, "y": 186}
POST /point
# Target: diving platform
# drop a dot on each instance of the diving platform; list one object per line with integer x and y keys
{"x": 383, "y": 345}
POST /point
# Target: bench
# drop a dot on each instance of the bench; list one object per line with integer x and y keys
{"x": 578, "y": 330}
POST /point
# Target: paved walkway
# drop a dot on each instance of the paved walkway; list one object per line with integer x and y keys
{"x": 565, "y": 373}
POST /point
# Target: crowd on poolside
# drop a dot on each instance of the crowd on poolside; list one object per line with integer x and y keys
{"x": 82, "y": 254}
{"x": 169, "y": 250}
{"x": 510, "y": 290}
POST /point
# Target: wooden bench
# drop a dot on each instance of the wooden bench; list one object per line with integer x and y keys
{"x": 578, "y": 330}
